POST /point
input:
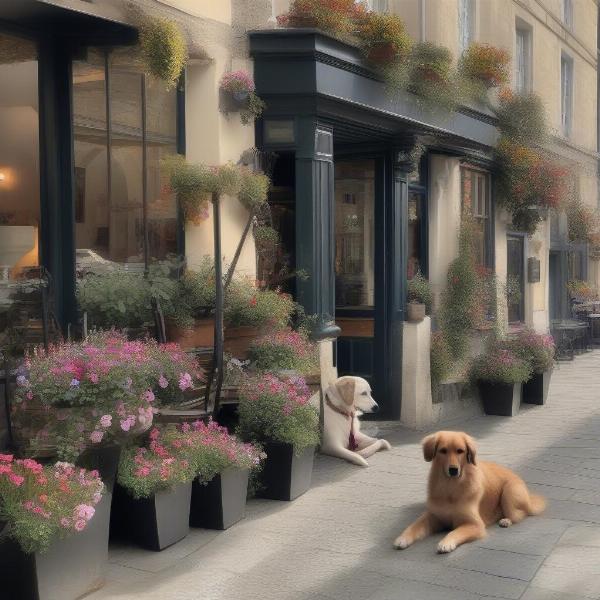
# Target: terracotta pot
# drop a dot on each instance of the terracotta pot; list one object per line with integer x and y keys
{"x": 238, "y": 340}
{"x": 416, "y": 312}
{"x": 201, "y": 335}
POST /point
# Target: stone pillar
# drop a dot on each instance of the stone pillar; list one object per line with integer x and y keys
{"x": 315, "y": 235}
{"x": 417, "y": 407}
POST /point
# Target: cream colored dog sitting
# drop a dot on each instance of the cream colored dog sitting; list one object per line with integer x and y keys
{"x": 345, "y": 401}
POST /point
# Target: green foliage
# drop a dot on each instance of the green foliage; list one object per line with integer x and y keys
{"x": 271, "y": 409}
{"x": 501, "y": 365}
{"x": 284, "y": 350}
{"x": 265, "y": 235}
{"x": 537, "y": 349}
{"x": 521, "y": 117}
{"x": 440, "y": 359}
{"x": 483, "y": 67}
{"x": 384, "y": 39}
{"x": 254, "y": 189}
{"x": 253, "y": 108}
{"x": 164, "y": 49}
{"x": 245, "y": 305}
{"x": 419, "y": 291}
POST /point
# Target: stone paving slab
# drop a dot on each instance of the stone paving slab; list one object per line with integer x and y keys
{"x": 335, "y": 542}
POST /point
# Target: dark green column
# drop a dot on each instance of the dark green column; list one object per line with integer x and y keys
{"x": 315, "y": 235}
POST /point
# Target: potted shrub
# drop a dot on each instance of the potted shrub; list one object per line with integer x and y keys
{"x": 284, "y": 350}
{"x": 222, "y": 464}
{"x": 539, "y": 351}
{"x": 419, "y": 298}
{"x": 190, "y": 321}
{"x": 383, "y": 39}
{"x": 151, "y": 505}
{"x": 277, "y": 414}
{"x": 51, "y": 530}
{"x": 249, "y": 310}
{"x": 237, "y": 89}
{"x": 81, "y": 396}
{"x": 500, "y": 374}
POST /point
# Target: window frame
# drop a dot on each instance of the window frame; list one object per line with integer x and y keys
{"x": 517, "y": 235}
{"x": 567, "y": 90}
{"x": 567, "y": 13}
{"x": 466, "y": 24}
{"x": 523, "y": 84}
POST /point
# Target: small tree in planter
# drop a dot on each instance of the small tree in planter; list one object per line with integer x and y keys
{"x": 152, "y": 499}
{"x": 539, "y": 350}
{"x": 500, "y": 373}
{"x": 51, "y": 546}
{"x": 239, "y": 92}
{"x": 222, "y": 464}
{"x": 277, "y": 414}
{"x": 419, "y": 298}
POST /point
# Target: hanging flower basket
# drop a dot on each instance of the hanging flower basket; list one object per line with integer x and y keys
{"x": 238, "y": 95}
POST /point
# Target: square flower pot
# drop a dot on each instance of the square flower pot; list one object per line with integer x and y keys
{"x": 154, "y": 523}
{"x": 221, "y": 502}
{"x": 285, "y": 475}
{"x": 69, "y": 569}
{"x": 535, "y": 391}
{"x": 501, "y": 399}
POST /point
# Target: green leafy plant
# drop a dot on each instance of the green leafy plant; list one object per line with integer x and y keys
{"x": 484, "y": 67}
{"x": 246, "y": 305}
{"x": 535, "y": 348}
{"x": 164, "y": 49}
{"x": 440, "y": 359}
{"x": 284, "y": 350}
{"x": 254, "y": 189}
{"x": 583, "y": 222}
{"x": 273, "y": 409}
{"x": 499, "y": 364}
{"x": 44, "y": 503}
{"x": 384, "y": 39}
{"x": 419, "y": 291}
{"x": 521, "y": 117}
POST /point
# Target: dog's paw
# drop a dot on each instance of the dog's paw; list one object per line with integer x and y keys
{"x": 505, "y": 522}
{"x": 446, "y": 546}
{"x": 360, "y": 461}
{"x": 401, "y": 543}
{"x": 385, "y": 445}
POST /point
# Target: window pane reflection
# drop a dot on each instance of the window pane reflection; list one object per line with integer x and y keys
{"x": 354, "y": 233}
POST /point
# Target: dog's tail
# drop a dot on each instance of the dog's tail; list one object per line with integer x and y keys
{"x": 537, "y": 504}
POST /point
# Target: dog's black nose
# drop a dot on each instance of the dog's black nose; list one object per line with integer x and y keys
{"x": 453, "y": 471}
{"x": 375, "y": 408}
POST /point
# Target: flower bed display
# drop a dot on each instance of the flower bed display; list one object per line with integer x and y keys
{"x": 99, "y": 391}
{"x": 284, "y": 350}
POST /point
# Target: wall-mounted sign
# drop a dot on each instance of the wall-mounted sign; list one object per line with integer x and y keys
{"x": 533, "y": 270}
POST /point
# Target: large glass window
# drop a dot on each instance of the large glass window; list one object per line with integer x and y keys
{"x": 19, "y": 161}
{"x": 355, "y": 234}
{"x": 125, "y": 123}
{"x": 475, "y": 185}
{"x": 522, "y": 59}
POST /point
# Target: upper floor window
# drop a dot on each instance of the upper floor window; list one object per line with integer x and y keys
{"x": 476, "y": 201}
{"x": 466, "y": 24}
{"x": 380, "y": 6}
{"x": 566, "y": 94}
{"x": 523, "y": 60}
{"x": 567, "y": 13}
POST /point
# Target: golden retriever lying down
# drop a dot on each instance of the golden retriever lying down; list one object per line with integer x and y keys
{"x": 465, "y": 495}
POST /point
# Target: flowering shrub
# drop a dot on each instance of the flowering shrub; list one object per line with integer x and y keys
{"x": 237, "y": 81}
{"x": 521, "y": 117}
{"x": 273, "y": 409}
{"x": 43, "y": 503}
{"x": 86, "y": 393}
{"x": 176, "y": 455}
{"x": 535, "y": 348}
{"x": 284, "y": 350}
{"x": 431, "y": 75}
{"x": 486, "y": 65}
{"x": 499, "y": 364}
{"x": 583, "y": 222}
{"x": 581, "y": 290}
{"x": 440, "y": 358}
{"x": 384, "y": 39}
{"x": 246, "y": 305}
{"x": 336, "y": 17}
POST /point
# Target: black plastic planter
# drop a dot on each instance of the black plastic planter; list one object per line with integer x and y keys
{"x": 501, "y": 399}
{"x": 69, "y": 569}
{"x": 154, "y": 523}
{"x": 535, "y": 391}
{"x": 220, "y": 503}
{"x": 285, "y": 475}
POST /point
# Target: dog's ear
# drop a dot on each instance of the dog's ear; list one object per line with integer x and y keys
{"x": 471, "y": 449}
{"x": 346, "y": 390}
{"x": 430, "y": 444}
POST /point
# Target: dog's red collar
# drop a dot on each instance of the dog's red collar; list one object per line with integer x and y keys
{"x": 352, "y": 445}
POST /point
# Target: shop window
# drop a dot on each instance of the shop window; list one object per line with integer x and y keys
{"x": 476, "y": 201}
{"x": 354, "y": 234}
{"x": 19, "y": 161}
{"x": 124, "y": 125}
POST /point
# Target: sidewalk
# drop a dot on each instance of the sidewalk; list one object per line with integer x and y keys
{"x": 335, "y": 542}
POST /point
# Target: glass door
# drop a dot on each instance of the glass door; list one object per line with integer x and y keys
{"x": 515, "y": 278}
{"x": 355, "y": 265}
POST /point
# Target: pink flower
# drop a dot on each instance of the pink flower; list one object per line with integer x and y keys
{"x": 65, "y": 523}
{"x": 96, "y": 436}
{"x": 6, "y": 458}
{"x": 149, "y": 396}
{"x": 185, "y": 381}
{"x": 16, "y": 479}
{"x": 93, "y": 377}
{"x": 125, "y": 424}
{"x": 97, "y": 497}
{"x": 163, "y": 382}
{"x": 80, "y": 524}
{"x": 84, "y": 511}
{"x": 143, "y": 472}
{"x": 106, "y": 420}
